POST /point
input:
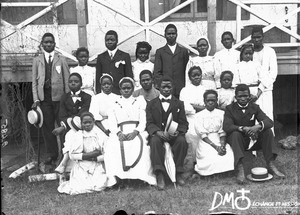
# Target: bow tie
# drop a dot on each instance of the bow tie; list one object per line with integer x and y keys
{"x": 165, "y": 100}
{"x": 243, "y": 107}
{"x": 74, "y": 95}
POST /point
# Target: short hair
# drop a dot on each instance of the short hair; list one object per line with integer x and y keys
{"x": 227, "y": 33}
{"x": 126, "y": 80}
{"x": 77, "y": 75}
{"x": 112, "y": 32}
{"x": 86, "y": 113}
{"x": 146, "y": 71}
{"x": 106, "y": 75}
{"x": 224, "y": 73}
{"x": 257, "y": 30}
{"x": 166, "y": 78}
{"x": 202, "y": 38}
{"x": 170, "y": 26}
{"x": 143, "y": 44}
{"x": 207, "y": 92}
{"x": 48, "y": 35}
{"x": 81, "y": 49}
{"x": 241, "y": 87}
{"x": 244, "y": 46}
{"x": 193, "y": 68}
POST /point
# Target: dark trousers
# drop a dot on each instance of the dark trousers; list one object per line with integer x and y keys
{"x": 50, "y": 111}
{"x": 239, "y": 142}
{"x": 179, "y": 149}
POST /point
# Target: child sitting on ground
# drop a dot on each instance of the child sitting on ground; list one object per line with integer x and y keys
{"x": 86, "y": 150}
{"x": 71, "y": 104}
{"x": 226, "y": 92}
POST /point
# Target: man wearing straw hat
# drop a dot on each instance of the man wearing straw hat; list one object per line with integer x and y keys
{"x": 50, "y": 73}
{"x": 157, "y": 113}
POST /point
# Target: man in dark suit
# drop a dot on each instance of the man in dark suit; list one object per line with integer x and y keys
{"x": 50, "y": 73}
{"x": 239, "y": 124}
{"x": 72, "y": 104}
{"x": 114, "y": 62}
{"x": 171, "y": 60}
{"x": 157, "y": 113}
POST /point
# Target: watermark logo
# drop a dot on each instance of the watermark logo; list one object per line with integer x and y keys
{"x": 241, "y": 202}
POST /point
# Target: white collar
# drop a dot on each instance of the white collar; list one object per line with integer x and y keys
{"x": 162, "y": 97}
{"x": 76, "y": 93}
{"x": 243, "y": 106}
{"x": 113, "y": 52}
{"x": 47, "y": 54}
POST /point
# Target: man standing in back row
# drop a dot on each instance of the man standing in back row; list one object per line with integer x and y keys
{"x": 113, "y": 62}
{"x": 171, "y": 60}
{"x": 266, "y": 57}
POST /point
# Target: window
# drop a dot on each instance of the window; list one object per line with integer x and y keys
{"x": 66, "y": 13}
{"x": 194, "y": 11}
{"x": 226, "y": 10}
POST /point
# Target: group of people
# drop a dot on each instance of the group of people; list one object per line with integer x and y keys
{"x": 113, "y": 118}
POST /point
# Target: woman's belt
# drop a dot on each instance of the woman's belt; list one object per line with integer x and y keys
{"x": 252, "y": 85}
{"x": 125, "y": 167}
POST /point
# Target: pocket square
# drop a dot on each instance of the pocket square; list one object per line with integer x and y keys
{"x": 252, "y": 118}
{"x": 58, "y": 69}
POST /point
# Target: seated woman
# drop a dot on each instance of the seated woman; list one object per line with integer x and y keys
{"x": 127, "y": 154}
{"x": 192, "y": 96}
{"x": 213, "y": 154}
{"x": 206, "y": 63}
{"x": 102, "y": 102}
{"x": 86, "y": 150}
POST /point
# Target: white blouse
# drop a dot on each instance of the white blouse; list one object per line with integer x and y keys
{"x": 206, "y": 64}
{"x": 137, "y": 67}
{"x": 192, "y": 94}
{"x": 88, "y": 75}
{"x": 130, "y": 109}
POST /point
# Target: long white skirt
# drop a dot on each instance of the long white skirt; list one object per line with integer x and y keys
{"x": 86, "y": 177}
{"x": 208, "y": 160}
{"x": 113, "y": 158}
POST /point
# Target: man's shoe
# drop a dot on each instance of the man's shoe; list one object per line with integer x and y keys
{"x": 273, "y": 170}
{"x": 240, "y": 177}
{"x": 160, "y": 181}
{"x": 180, "y": 180}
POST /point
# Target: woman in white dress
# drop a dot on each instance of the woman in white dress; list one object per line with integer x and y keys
{"x": 213, "y": 154}
{"x": 87, "y": 73}
{"x": 205, "y": 62}
{"x": 86, "y": 150}
{"x": 102, "y": 102}
{"x": 192, "y": 96}
{"x": 142, "y": 61}
{"x": 127, "y": 154}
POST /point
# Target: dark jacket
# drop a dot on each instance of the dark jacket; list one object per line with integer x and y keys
{"x": 234, "y": 117}
{"x": 154, "y": 111}
{"x": 172, "y": 65}
{"x": 69, "y": 109}
{"x": 107, "y": 65}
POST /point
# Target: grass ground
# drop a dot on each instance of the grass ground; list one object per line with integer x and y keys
{"x": 21, "y": 197}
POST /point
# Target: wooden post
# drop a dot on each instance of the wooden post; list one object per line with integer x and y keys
{"x": 211, "y": 24}
{"x": 81, "y": 22}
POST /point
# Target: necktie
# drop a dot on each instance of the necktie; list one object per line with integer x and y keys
{"x": 111, "y": 56}
{"x": 49, "y": 61}
{"x": 165, "y": 100}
